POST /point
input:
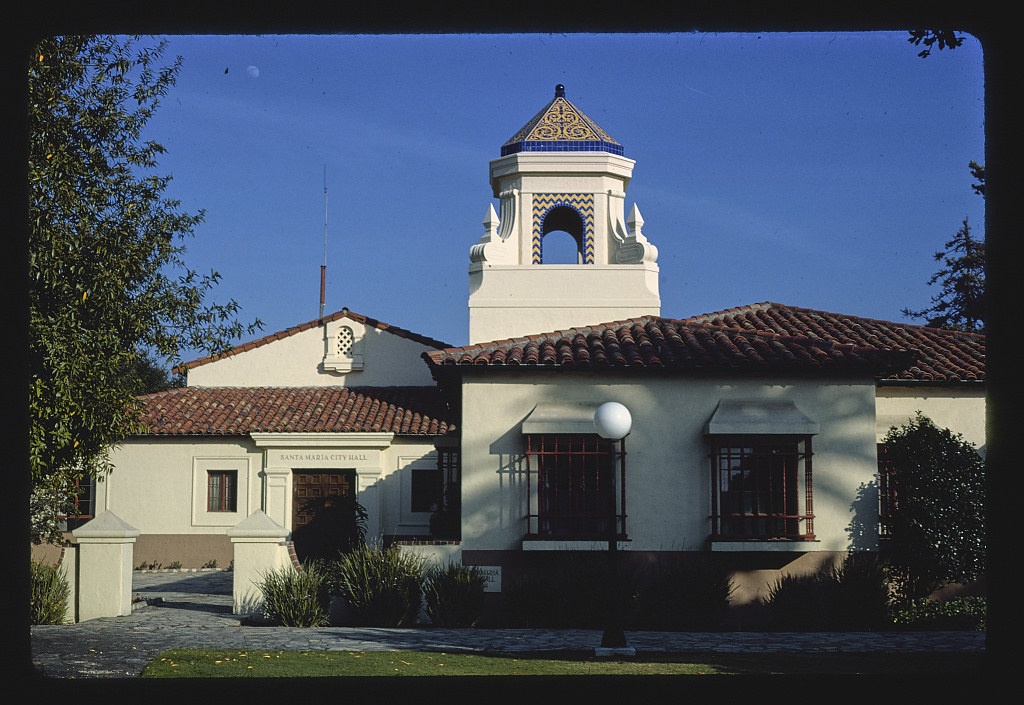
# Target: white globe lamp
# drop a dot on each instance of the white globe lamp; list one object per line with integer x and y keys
{"x": 612, "y": 420}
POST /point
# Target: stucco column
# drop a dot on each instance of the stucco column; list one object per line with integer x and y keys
{"x": 68, "y": 566}
{"x": 277, "y": 494}
{"x": 372, "y": 499}
{"x": 105, "y": 550}
{"x": 259, "y": 548}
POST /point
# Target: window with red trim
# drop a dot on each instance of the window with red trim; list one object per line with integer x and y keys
{"x": 221, "y": 490}
{"x": 761, "y": 488}
{"x": 570, "y": 484}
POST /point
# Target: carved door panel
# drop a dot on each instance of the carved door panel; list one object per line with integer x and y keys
{"x": 324, "y": 508}
{"x": 312, "y": 488}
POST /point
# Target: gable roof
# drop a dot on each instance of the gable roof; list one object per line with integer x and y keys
{"x": 654, "y": 342}
{"x": 343, "y": 313}
{"x": 946, "y": 356}
{"x": 236, "y": 411}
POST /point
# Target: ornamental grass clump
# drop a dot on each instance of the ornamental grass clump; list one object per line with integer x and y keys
{"x": 850, "y": 596}
{"x": 381, "y": 587}
{"x": 454, "y": 595}
{"x": 50, "y": 593}
{"x": 294, "y": 598}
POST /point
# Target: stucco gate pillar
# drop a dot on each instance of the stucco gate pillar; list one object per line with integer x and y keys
{"x": 259, "y": 548}
{"x": 105, "y": 550}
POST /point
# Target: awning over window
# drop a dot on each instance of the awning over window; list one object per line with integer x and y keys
{"x": 561, "y": 417}
{"x": 760, "y": 417}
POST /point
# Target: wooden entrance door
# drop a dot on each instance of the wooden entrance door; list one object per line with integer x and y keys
{"x": 312, "y": 487}
{"x": 322, "y": 502}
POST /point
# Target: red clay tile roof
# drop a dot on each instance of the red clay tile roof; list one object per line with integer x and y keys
{"x": 343, "y": 313}
{"x": 943, "y": 355}
{"x": 236, "y": 411}
{"x": 652, "y": 342}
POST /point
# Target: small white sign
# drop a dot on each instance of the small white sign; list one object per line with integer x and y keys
{"x": 492, "y": 573}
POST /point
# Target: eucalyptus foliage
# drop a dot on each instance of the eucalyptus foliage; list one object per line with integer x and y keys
{"x": 107, "y": 279}
{"x": 938, "y": 521}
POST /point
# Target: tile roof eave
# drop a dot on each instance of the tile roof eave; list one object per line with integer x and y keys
{"x": 684, "y": 346}
{"x": 890, "y": 381}
{"x": 450, "y": 369}
{"x": 239, "y": 411}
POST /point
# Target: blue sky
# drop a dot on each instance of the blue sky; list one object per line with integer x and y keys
{"x": 819, "y": 169}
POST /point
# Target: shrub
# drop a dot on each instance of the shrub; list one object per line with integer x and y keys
{"x": 294, "y": 598}
{"x": 50, "y": 593}
{"x": 684, "y": 594}
{"x": 850, "y": 596}
{"x": 938, "y": 518}
{"x": 380, "y": 587}
{"x": 799, "y": 602}
{"x": 454, "y": 595}
{"x": 337, "y": 526}
{"x": 861, "y": 593}
{"x": 960, "y": 614}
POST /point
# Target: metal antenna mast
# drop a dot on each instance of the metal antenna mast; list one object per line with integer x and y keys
{"x": 323, "y": 267}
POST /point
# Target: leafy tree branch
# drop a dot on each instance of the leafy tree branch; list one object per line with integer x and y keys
{"x": 107, "y": 278}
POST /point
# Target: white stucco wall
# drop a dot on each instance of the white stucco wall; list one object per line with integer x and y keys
{"x": 510, "y": 301}
{"x": 960, "y": 410}
{"x": 668, "y": 473}
{"x": 297, "y": 360}
{"x": 158, "y": 485}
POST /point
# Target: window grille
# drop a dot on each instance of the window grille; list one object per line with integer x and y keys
{"x": 570, "y": 479}
{"x": 221, "y": 489}
{"x": 761, "y": 488}
{"x": 346, "y": 340}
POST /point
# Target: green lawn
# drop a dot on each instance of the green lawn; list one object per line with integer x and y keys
{"x": 227, "y": 663}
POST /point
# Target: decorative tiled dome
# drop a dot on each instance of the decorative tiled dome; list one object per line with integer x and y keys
{"x": 561, "y": 127}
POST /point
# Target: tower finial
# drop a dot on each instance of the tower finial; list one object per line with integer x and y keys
{"x": 559, "y": 91}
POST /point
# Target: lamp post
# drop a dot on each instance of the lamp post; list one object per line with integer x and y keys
{"x": 613, "y": 422}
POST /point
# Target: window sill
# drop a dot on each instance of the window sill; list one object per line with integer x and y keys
{"x": 765, "y": 545}
{"x": 343, "y": 365}
{"x": 570, "y": 545}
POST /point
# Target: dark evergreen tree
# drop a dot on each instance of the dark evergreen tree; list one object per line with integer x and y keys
{"x": 960, "y": 303}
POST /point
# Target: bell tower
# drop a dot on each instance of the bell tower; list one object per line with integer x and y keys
{"x": 560, "y": 176}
